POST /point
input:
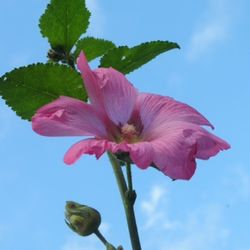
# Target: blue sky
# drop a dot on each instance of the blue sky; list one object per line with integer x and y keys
{"x": 210, "y": 72}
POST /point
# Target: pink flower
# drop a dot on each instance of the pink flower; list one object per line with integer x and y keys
{"x": 153, "y": 129}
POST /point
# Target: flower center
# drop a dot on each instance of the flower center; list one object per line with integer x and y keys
{"x": 129, "y": 133}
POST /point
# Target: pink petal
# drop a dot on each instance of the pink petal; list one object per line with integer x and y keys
{"x": 109, "y": 91}
{"x": 119, "y": 95}
{"x": 174, "y": 156}
{"x": 91, "y": 83}
{"x": 141, "y": 154}
{"x": 88, "y": 146}
{"x": 207, "y": 144}
{"x": 67, "y": 117}
{"x": 157, "y": 111}
{"x": 175, "y": 152}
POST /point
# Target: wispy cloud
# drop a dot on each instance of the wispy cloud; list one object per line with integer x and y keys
{"x": 203, "y": 228}
{"x": 212, "y": 29}
{"x": 97, "y": 19}
{"x": 152, "y": 208}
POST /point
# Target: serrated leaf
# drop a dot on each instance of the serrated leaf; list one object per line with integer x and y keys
{"x": 63, "y": 22}
{"x": 93, "y": 47}
{"x": 126, "y": 59}
{"x": 28, "y": 88}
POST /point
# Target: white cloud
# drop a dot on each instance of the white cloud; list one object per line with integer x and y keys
{"x": 152, "y": 208}
{"x": 104, "y": 227}
{"x": 201, "y": 229}
{"x": 97, "y": 18}
{"x": 212, "y": 30}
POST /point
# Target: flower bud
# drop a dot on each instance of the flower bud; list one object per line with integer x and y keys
{"x": 82, "y": 219}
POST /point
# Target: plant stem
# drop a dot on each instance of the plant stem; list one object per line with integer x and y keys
{"x": 119, "y": 175}
{"x": 101, "y": 237}
{"x": 104, "y": 241}
{"x": 128, "y": 199}
{"x": 129, "y": 177}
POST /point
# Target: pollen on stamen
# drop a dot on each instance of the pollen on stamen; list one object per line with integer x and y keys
{"x": 129, "y": 133}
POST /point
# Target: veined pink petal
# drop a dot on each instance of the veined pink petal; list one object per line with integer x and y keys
{"x": 118, "y": 147}
{"x": 119, "y": 95}
{"x": 142, "y": 154}
{"x": 157, "y": 111}
{"x": 174, "y": 156}
{"x": 175, "y": 152}
{"x": 91, "y": 83}
{"x": 207, "y": 144}
{"x": 109, "y": 91}
{"x": 88, "y": 146}
{"x": 153, "y": 129}
{"x": 68, "y": 117}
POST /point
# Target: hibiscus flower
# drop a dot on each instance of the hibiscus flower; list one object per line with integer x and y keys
{"x": 152, "y": 129}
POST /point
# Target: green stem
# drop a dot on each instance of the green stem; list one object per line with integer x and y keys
{"x": 119, "y": 175}
{"x": 129, "y": 177}
{"x": 128, "y": 199}
{"x": 104, "y": 241}
{"x": 101, "y": 237}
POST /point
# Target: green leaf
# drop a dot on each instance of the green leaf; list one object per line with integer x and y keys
{"x": 63, "y": 22}
{"x": 93, "y": 47}
{"x": 28, "y": 88}
{"x": 126, "y": 59}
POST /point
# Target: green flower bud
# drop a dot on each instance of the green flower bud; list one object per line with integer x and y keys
{"x": 82, "y": 219}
